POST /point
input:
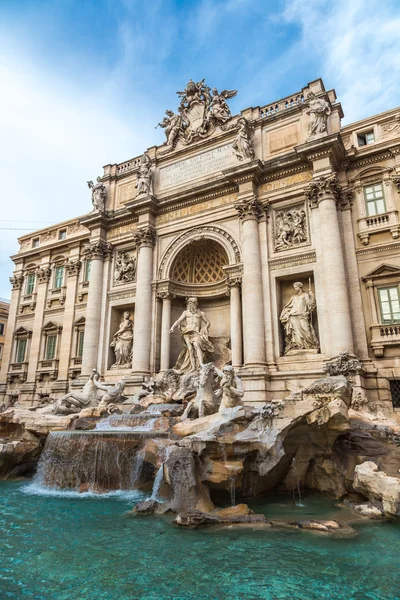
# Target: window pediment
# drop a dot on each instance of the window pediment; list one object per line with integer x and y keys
{"x": 23, "y": 332}
{"x": 383, "y": 270}
{"x": 51, "y": 326}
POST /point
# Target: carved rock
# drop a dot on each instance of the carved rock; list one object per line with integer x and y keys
{"x": 380, "y": 489}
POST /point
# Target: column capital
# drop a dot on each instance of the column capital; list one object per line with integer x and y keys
{"x": 17, "y": 282}
{"x": 43, "y": 274}
{"x": 97, "y": 250}
{"x": 144, "y": 237}
{"x": 323, "y": 188}
{"x": 166, "y": 296}
{"x": 250, "y": 208}
{"x": 73, "y": 267}
{"x": 396, "y": 181}
{"x": 233, "y": 282}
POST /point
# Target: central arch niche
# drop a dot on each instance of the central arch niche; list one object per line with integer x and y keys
{"x": 200, "y": 262}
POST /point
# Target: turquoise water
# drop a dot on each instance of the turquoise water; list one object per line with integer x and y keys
{"x": 87, "y": 548}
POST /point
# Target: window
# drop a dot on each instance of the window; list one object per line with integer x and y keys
{"x": 374, "y": 199}
{"x": 21, "y": 349}
{"x": 51, "y": 347}
{"x": 87, "y": 270}
{"x": 30, "y": 283}
{"x": 390, "y": 305}
{"x": 395, "y": 391}
{"x": 1, "y": 351}
{"x": 366, "y": 138}
{"x": 62, "y": 234}
{"x": 58, "y": 277}
{"x": 35, "y": 242}
{"x": 2, "y": 327}
{"x": 79, "y": 346}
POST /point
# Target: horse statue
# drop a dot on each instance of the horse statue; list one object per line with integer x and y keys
{"x": 206, "y": 401}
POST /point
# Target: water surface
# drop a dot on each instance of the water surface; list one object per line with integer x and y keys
{"x": 71, "y": 547}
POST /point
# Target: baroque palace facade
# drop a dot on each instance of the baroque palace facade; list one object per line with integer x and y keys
{"x": 283, "y": 224}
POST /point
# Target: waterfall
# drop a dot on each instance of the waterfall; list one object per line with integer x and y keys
{"x": 296, "y": 484}
{"x": 232, "y": 481}
{"x": 127, "y": 423}
{"x": 98, "y": 461}
{"x": 157, "y": 483}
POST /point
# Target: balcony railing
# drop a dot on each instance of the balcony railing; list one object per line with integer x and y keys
{"x": 384, "y": 336}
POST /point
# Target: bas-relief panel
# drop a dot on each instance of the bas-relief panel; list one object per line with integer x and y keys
{"x": 285, "y": 182}
{"x": 282, "y": 139}
{"x": 186, "y": 211}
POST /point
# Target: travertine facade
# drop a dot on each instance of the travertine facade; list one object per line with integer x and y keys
{"x": 232, "y": 211}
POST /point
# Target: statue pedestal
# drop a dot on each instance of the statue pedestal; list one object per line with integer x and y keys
{"x": 301, "y": 352}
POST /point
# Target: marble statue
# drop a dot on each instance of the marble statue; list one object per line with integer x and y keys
{"x": 200, "y": 112}
{"x": 242, "y": 142}
{"x": 75, "y": 401}
{"x": 113, "y": 393}
{"x": 144, "y": 176}
{"x": 125, "y": 268}
{"x": 319, "y": 111}
{"x": 207, "y": 400}
{"x": 173, "y": 124}
{"x": 290, "y": 229}
{"x": 122, "y": 342}
{"x": 219, "y": 109}
{"x": 231, "y": 387}
{"x": 195, "y": 337}
{"x": 296, "y": 318}
{"x": 99, "y": 194}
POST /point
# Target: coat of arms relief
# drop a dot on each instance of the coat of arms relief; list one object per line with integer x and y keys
{"x": 200, "y": 111}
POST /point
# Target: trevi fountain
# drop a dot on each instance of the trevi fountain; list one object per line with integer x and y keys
{"x": 190, "y": 478}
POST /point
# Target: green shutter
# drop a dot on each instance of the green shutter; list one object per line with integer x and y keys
{"x": 30, "y": 284}
{"x": 87, "y": 270}
{"x": 81, "y": 336}
{"x": 59, "y": 277}
{"x": 51, "y": 347}
{"x": 21, "y": 348}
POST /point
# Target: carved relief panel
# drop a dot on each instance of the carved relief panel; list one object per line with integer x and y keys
{"x": 290, "y": 227}
{"x": 125, "y": 266}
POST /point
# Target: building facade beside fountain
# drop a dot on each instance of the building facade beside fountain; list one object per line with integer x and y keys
{"x": 268, "y": 240}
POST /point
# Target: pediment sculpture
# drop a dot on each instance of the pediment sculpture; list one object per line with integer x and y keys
{"x": 200, "y": 111}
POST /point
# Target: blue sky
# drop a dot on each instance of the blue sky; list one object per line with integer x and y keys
{"x": 84, "y": 82}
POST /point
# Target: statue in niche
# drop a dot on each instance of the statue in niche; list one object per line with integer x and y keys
{"x": 172, "y": 124}
{"x": 291, "y": 228}
{"x": 125, "y": 268}
{"x": 144, "y": 176}
{"x": 195, "y": 337}
{"x": 122, "y": 342}
{"x": 242, "y": 142}
{"x": 296, "y": 317}
{"x": 99, "y": 194}
{"x": 319, "y": 111}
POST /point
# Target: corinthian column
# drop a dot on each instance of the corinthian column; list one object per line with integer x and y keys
{"x": 72, "y": 268}
{"x": 323, "y": 194}
{"x": 250, "y": 211}
{"x": 17, "y": 282}
{"x": 145, "y": 239}
{"x": 97, "y": 252}
{"x": 166, "y": 298}
{"x": 236, "y": 321}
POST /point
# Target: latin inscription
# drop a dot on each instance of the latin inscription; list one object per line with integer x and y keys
{"x": 197, "y": 166}
{"x": 186, "y": 211}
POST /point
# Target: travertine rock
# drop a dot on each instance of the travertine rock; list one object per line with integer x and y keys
{"x": 378, "y": 487}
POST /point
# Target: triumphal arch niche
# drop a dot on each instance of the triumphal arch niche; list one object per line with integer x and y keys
{"x": 270, "y": 221}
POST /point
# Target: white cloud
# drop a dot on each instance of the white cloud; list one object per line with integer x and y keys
{"x": 357, "y": 47}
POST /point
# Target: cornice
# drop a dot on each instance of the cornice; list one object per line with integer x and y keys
{"x": 194, "y": 198}
{"x": 292, "y": 261}
{"x": 373, "y": 249}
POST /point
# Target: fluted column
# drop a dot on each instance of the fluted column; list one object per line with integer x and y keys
{"x": 72, "y": 269}
{"x": 97, "y": 252}
{"x": 145, "y": 239}
{"x": 250, "y": 211}
{"x": 236, "y": 321}
{"x": 17, "y": 282}
{"x": 323, "y": 194}
{"x": 165, "y": 353}
{"x": 43, "y": 275}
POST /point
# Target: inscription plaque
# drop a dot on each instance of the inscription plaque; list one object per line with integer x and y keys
{"x": 197, "y": 167}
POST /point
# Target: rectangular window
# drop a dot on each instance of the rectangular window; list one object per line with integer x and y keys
{"x": 395, "y": 391}
{"x": 87, "y": 270}
{"x": 2, "y": 327}
{"x": 62, "y": 234}
{"x": 21, "y": 349}
{"x": 51, "y": 347}
{"x": 58, "y": 277}
{"x": 374, "y": 199}
{"x": 30, "y": 283}
{"x": 79, "y": 347}
{"x": 35, "y": 243}
{"x": 390, "y": 305}
{"x": 1, "y": 351}
{"x": 366, "y": 138}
